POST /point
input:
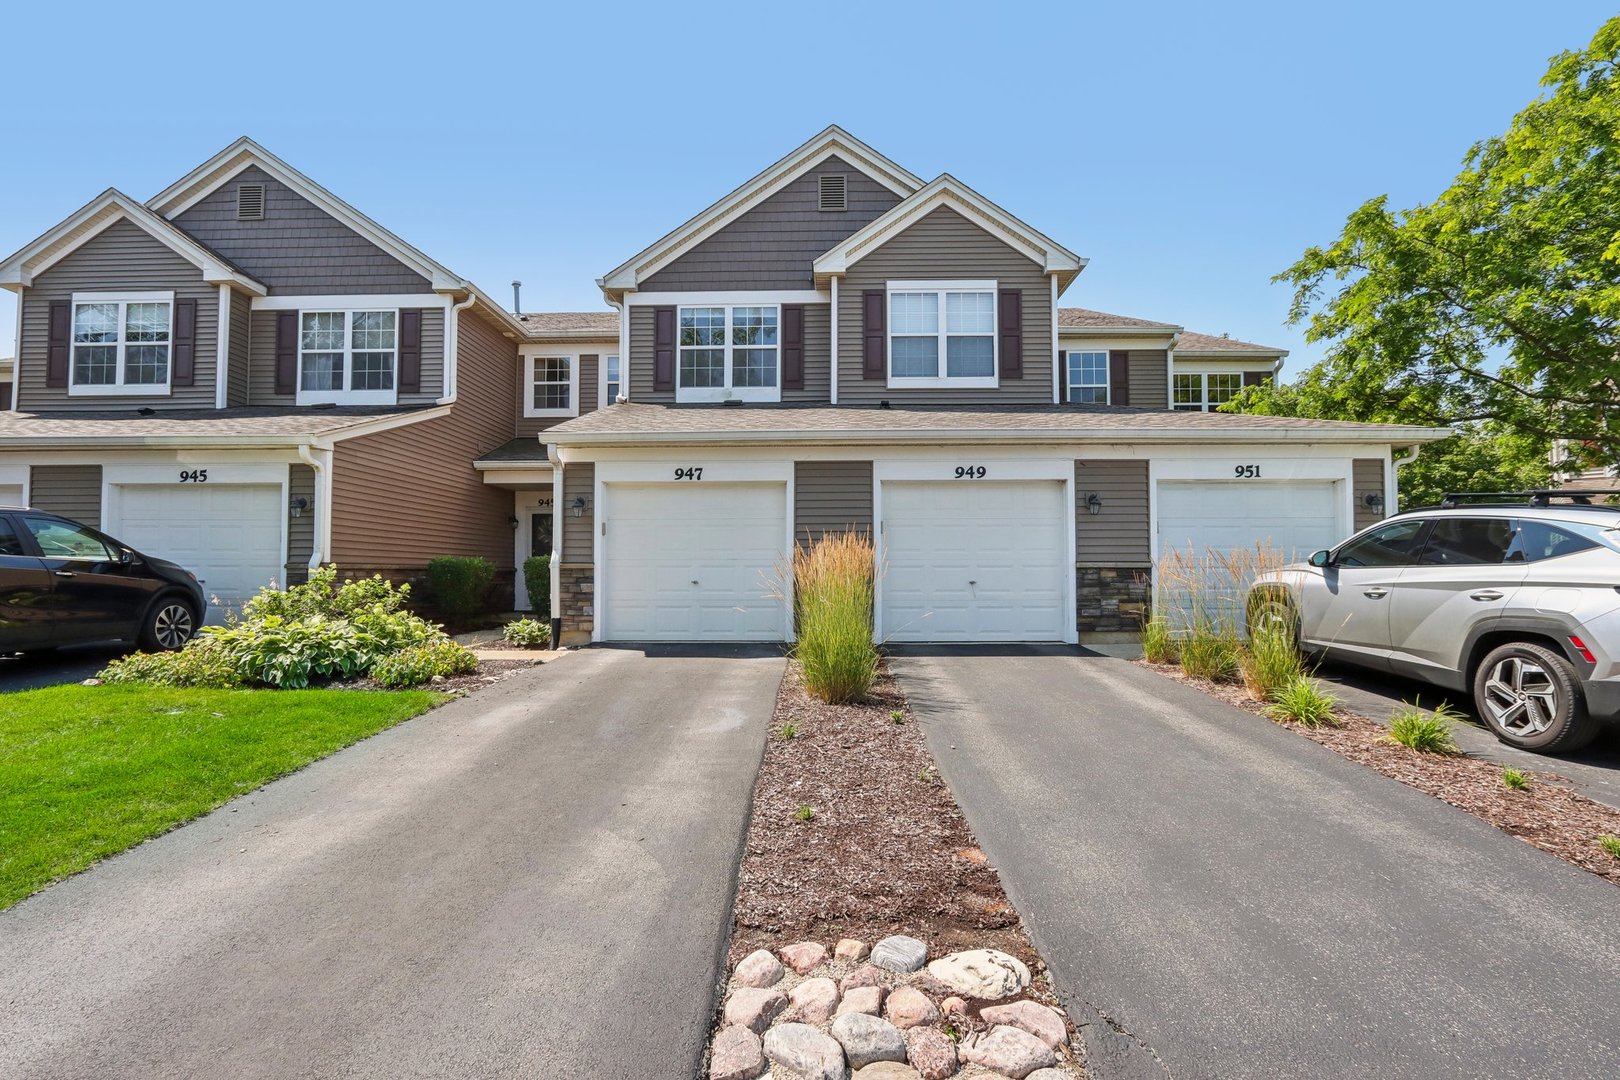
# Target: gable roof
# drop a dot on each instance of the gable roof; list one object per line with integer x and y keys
{"x": 1192, "y": 344}
{"x": 830, "y": 140}
{"x": 585, "y": 325}
{"x": 95, "y": 217}
{"x": 244, "y": 152}
{"x": 947, "y": 191}
{"x": 1076, "y": 318}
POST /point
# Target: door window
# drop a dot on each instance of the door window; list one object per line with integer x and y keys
{"x": 1394, "y": 544}
{"x": 540, "y": 533}
{"x": 64, "y": 540}
{"x": 1457, "y": 541}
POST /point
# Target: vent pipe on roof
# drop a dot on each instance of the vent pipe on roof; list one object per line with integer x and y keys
{"x": 517, "y": 308}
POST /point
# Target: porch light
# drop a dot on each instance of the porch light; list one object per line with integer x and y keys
{"x": 577, "y": 507}
{"x": 1373, "y": 500}
{"x": 297, "y": 507}
{"x": 1093, "y": 503}
{"x": 512, "y": 520}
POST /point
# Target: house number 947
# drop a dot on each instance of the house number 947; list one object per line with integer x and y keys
{"x": 970, "y": 472}
{"x": 689, "y": 473}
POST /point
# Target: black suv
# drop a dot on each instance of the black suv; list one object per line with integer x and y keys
{"x": 63, "y": 583}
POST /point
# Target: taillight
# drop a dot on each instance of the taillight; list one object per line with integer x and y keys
{"x": 1580, "y": 647}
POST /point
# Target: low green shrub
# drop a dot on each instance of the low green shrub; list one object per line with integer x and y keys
{"x": 202, "y": 663}
{"x": 1158, "y": 641}
{"x": 289, "y": 653}
{"x": 1302, "y": 702}
{"x": 537, "y": 580}
{"x": 1427, "y": 733}
{"x": 420, "y": 663}
{"x": 1610, "y": 844}
{"x": 323, "y": 595}
{"x": 1209, "y": 653}
{"x": 1514, "y": 780}
{"x": 460, "y": 584}
{"x": 527, "y": 633}
{"x": 1270, "y": 662}
{"x": 833, "y": 584}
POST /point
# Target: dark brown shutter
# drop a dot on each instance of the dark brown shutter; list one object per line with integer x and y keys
{"x": 185, "y": 343}
{"x": 663, "y": 348}
{"x": 874, "y": 349}
{"x": 1012, "y": 334}
{"x": 56, "y": 352}
{"x": 410, "y": 350}
{"x": 286, "y": 352}
{"x": 1119, "y": 377}
{"x": 1256, "y": 378}
{"x": 793, "y": 346}
{"x": 1063, "y": 375}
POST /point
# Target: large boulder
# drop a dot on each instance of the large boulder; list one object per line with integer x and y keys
{"x": 985, "y": 974}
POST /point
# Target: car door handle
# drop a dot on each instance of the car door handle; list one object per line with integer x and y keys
{"x": 1486, "y": 594}
{"x": 66, "y": 573}
{"x": 1377, "y": 592}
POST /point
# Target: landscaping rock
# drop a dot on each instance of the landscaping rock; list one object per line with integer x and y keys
{"x": 803, "y": 1053}
{"x": 1031, "y": 1016}
{"x": 852, "y": 950}
{"x": 1048, "y": 1074}
{"x": 863, "y": 976}
{"x": 758, "y": 969}
{"x": 986, "y": 974}
{"x": 931, "y": 1053}
{"x": 804, "y": 957}
{"x": 737, "y": 1054}
{"x": 909, "y": 1007}
{"x": 1008, "y": 1051}
{"x": 813, "y": 1001}
{"x": 953, "y": 1004}
{"x": 753, "y": 1008}
{"x": 862, "y": 999}
{"x": 899, "y": 953}
{"x": 866, "y": 1039}
{"x": 889, "y": 1070}
{"x": 929, "y": 985}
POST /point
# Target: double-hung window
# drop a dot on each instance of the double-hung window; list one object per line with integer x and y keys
{"x": 122, "y": 343}
{"x": 1088, "y": 377}
{"x": 942, "y": 333}
{"x": 551, "y": 384}
{"x": 728, "y": 352}
{"x": 347, "y": 357}
{"x": 611, "y": 386}
{"x": 1204, "y": 391}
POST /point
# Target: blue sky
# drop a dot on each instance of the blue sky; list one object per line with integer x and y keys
{"x": 1189, "y": 150}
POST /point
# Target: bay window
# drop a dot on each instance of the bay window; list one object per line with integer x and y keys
{"x": 1088, "y": 377}
{"x": 726, "y": 351}
{"x": 347, "y": 356}
{"x": 942, "y": 333}
{"x": 121, "y": 343}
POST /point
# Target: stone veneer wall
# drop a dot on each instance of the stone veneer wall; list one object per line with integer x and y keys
{"x": 1114, "y": 599}
{"x": 577, "y": 585}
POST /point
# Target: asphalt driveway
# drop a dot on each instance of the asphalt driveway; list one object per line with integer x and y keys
{"x": 1219, "y": 897}
{"x": 534, "y": 881}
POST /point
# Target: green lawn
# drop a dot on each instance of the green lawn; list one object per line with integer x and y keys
{"x": 86, "y": 772}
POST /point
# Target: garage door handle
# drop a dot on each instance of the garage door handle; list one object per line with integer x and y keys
{"x": 694, "y": 581}
{"x": 1376, "y": 593}
{"x": 66, "y": 573}
{"x": 1486, "y": 594}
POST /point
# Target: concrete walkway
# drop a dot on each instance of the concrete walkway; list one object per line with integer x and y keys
{"x": 534, "y": 881}
{"x": 1219, "y": 897}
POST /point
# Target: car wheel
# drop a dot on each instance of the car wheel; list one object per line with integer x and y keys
{"x": 169, "y": 625}
{"x": 1274, "y": 614}
{"x": 1531, "y": 698}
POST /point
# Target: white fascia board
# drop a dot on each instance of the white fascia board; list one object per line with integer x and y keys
{"x": 742, "y": 297}
{"x": 1103, "y": 341}
{"x": 1394, "y": 435}
{"x": 1265, "y": 355}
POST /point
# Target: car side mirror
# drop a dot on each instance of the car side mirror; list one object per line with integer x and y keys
{"x": 126, "y": 557}
{"x": 1321, "y": 558}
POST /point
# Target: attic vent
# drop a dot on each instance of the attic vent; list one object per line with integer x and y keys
{"x": 249, "y": 202}
{"x": 832, "y": 193}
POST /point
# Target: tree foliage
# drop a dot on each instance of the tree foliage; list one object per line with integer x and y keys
{"x": 1495, "y": 305}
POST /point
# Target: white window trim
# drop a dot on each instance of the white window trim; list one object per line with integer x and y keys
{"x": 942, "y": 380}
{"x": 728, "y": 392}
{"x": 346, "y": 396}
{"x": 1203, "y": 389}
{"x": 118, "y": 388}
{"x": 1107, "y": 383}
{"x": 530, "y": 355}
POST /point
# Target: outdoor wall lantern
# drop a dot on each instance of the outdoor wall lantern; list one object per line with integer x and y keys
{"x": 1093, "y": 503}
{"x": 298, "y": 506}
{"x": 577, "y": 507}
{"x": 1373, "y": 500}
{"x": 512, "y": 520}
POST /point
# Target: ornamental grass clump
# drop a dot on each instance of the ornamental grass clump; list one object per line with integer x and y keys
{"x": 832, "y": 598}
{"x": 1270, "y": 662}
{"x": 1302, "y": 702}
{"x": 1158, "y": 642}
{"x": 1209, "y": 652}
{"x": 1425, "y": 732}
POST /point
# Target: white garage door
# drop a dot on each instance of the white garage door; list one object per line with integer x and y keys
{"x": 1203, "y": 516}
{"x": 694, "y": 562}
{"x": 229, "y": 535}
{"x": 976, "y": 561}
{"x": 11, "y": 495}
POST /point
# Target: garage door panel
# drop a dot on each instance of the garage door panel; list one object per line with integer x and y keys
{"x": 229, "y": 535}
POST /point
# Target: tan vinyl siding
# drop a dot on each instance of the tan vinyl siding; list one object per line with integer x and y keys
{"x": 946, "y": 246}
{"x": 773, "y": 245}
{"x": 74, "y": 491}
{"x": 589, "y": 395}
{"x": 262, "y": 369}
{"x": 831, "y": 497}
{"x": 403, "y": 496}
{"x": 1118, "y": 535}
{"x": 297, "y": 247}
{"x": 122, "y": 258}
{"x": 1149, "y": 378}
{"x": 817, "y": 358}
{"x": 301, "y": 529}
{"x": 240, "y": 349}
{"x": 1367, "y": 477}
{"x": 579, "y": 533}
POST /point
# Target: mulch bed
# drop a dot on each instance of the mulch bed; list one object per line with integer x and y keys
{"x": 489, "y": 672}
{"x": 887, "y": 850}
{"x": 1548, "y": 815}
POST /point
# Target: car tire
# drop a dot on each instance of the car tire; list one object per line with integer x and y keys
{"x": 1531, "y": 698}
{"x": 169, "y": 624}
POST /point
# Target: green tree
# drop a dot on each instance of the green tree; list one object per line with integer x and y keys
{"x": 1495, "y": 306}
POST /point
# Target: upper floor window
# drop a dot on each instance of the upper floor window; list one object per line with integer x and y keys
{"x": 552, "y": 385}
{"x": 121, "y": 343}
{"x": 347, "y": 356}
{"x": 728, "y": 352}
{"x": 942, "y": 333}
{"x": 611, "y": 386}
{"x": 1203, "y": 391}
{"x": 1088, "y": 377}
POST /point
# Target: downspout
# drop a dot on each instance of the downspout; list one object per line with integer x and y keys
{"x": 452, "y": 346}
{"x": 1394, "y": 484}
{"x": 1057, "y": 386}
{"x": 557, "y": 531}
{"x": 321, "y": 542}
{"x": 624, "y": 357}
{"x": 833, "y": 331}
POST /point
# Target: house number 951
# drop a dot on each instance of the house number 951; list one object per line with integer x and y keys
{"x": 1246, "y": 472}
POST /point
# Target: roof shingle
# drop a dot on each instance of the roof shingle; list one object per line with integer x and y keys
{"x": 288, "y": 422}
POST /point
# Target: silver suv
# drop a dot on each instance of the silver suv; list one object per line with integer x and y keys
{"x": 1515, "y": 602}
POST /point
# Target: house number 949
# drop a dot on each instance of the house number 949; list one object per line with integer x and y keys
{"x": 1246, "y": 472}
{"x": 970, "y": 472}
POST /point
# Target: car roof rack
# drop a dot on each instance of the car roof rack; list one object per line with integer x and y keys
{"x": 1576, "y": 497}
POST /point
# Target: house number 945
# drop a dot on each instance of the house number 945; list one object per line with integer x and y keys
{"x": 970, "y": 472}
{"x": 689, "y": 473}
{"x": 194, "y": 476}
{"x": 1246, "y": 472}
